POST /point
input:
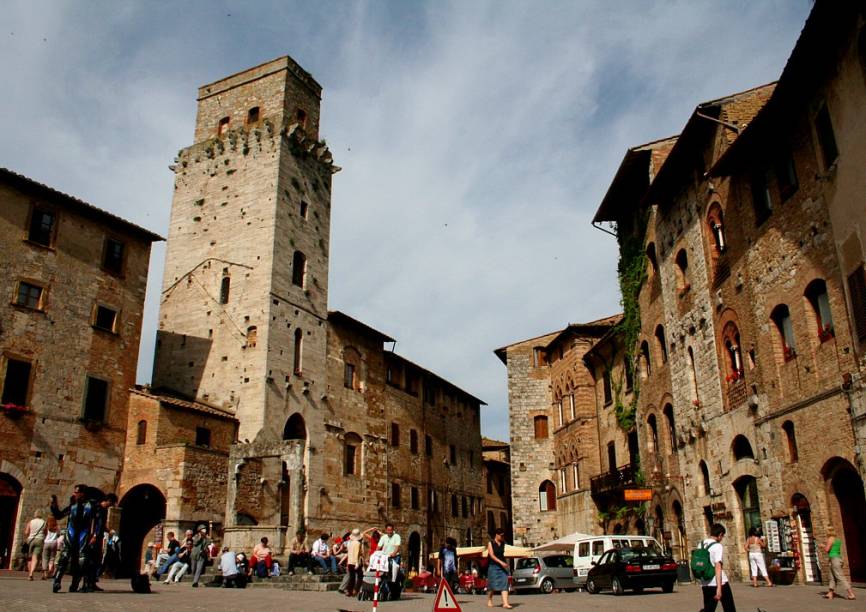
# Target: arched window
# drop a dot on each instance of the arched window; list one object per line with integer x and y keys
{"x": 141, "y": 433}
{"x": 781, "y": 317}
{"x": 352, "y": 454}
{"x": 669, "y": 418}
{"x": 791, "y": 437}
{"x": 714, "y": 223}
{"x": 646, "y": 366}
{"x": 705, "y": 473}
{"x": 652, "y": 259}
{"x": 252, "y": 336}
{"x": 747, "y": 489}
{"x": 654, "y": 434}
{"x": 253, "y": 115}
{"x": 733, "y": 354}
{"x": 742, "y": 448}
{"x": 816, "y": 294}
{"x": 222, "y": 126}
{"x": 682, "y": 270}
{"x": 299, "y": 350}
{"x": 225, "y": 286}
{"x": 541, "y": 431}
{"x": 296, "y": 428}
{"x": 299, "y": 269}
{"x": 660, "y": 338}
{"x": 547, "y": 496}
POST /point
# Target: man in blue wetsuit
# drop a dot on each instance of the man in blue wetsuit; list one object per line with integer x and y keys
{"x": 82, "y": 524}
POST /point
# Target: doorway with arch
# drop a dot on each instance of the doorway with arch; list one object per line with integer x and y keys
{"x": 10, "y": 496}
{"x": 141, "y": 509}
{"x": 846, "y": 486}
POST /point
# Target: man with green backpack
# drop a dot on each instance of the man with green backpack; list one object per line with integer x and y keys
{"x": 706, "y": 564}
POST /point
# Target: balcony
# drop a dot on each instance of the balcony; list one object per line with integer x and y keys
{"x": 612, "y": 483}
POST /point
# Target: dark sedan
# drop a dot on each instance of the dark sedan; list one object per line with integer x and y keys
{"x": 632, "y": 568}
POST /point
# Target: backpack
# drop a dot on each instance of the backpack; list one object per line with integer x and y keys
{"x": 702, "y": 567}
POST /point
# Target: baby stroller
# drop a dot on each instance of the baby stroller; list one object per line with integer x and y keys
{"x": 388, "y": 591}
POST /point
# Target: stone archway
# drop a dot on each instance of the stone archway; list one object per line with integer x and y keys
{"x": 10, "y": 495}
{"x": 847, "y": 487}
{"x": 142, "y": 508}
{"x": 414, "y": 550}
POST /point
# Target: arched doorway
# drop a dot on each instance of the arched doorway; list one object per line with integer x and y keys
{"x": 414, "y": 550}
{"x": 142, "y": 508}
{"x": 808, "y": 549}
{"x": 750, "y": 506}
{"x": 296, "y": 428}
{"x": 847, "y": 486}
{"x": 680, "y": 548}
{"x": 10, "y": 494}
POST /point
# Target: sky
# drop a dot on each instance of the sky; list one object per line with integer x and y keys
{"x": 477, "y": 138}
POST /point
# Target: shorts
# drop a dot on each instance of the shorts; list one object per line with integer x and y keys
{"x": 34, "y": 547}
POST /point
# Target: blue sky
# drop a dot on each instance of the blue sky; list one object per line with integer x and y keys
{"x": 476, "y": 138}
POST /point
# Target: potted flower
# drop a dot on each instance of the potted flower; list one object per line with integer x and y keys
{"x": 696, "y": 403}
{"x": 790, "y": 352}
{"x": 826, "y": 332}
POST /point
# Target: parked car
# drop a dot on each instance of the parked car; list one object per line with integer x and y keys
{"x": 590, "y": 548}
{"x": 635, "y": 568}
{"x": 544, "y": 573}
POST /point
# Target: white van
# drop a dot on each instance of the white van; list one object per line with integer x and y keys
{"x": 589, "y": 548}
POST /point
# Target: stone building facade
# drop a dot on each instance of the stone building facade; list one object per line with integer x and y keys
{"x": 333, "y": 431}
{"x": 497, "y": 476}
{"x": 751, "y": 336}
{"x": 74, "y": 278}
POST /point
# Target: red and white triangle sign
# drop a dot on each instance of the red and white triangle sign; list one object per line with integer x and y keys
{"x": 445, "y": 599}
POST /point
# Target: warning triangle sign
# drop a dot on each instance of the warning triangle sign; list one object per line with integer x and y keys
{"x": 445, "y": 599}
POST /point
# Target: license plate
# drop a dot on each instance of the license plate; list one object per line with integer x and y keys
{"x": 522, "y": 579}
{"x": 582, "y": 572}
{"x": 652, "y": 566}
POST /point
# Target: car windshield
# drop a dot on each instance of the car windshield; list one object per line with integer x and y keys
{"x": 651, "y": 550}
{"x": 526, "y": 564}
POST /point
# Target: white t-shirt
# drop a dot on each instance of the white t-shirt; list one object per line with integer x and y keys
{"x": 717, "y": 552}
{"x": 388, "y": 544}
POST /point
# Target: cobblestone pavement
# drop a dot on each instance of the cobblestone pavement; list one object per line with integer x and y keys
{"x": 18, "y": 594}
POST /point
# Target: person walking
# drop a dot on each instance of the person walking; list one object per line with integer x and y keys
{"x": 200, "y": 553}
{"x": 110, "y": 554}
{"x": 82, "y": 527}
{"x": 49, "y": 547}
{"x": 497, "y": 569}
{"x": 838, "y": 582}
{"x": 717, "y": 589}
{"x": 353, "y": 562}
{"x": 447, "y": 563}
{"x": 755, "y": 546}
{"x": 35, "y": 534}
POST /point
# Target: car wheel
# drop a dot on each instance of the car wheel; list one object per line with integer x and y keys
{"x": 616, "y": 586}
{"x": 668, "y": 587}
{"x": 590, "y": 586}
{"x": 546, "y": 586}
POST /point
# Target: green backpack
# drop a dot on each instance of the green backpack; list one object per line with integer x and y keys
{"x": 702, "y": 567}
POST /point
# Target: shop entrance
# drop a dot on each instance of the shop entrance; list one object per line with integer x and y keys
{"x": 847, "y": 487}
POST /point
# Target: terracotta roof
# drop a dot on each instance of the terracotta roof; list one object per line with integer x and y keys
{"x": 182, "y": 404}
{"x": 601, "y": 327}
{"x": 501, "y": 351}
{"x": 23, "y": 183}
{"x": 492, "y": 444}
{"x": 343, "y": 318}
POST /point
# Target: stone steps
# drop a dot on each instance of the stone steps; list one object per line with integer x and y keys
{"x": 299, "y": 582}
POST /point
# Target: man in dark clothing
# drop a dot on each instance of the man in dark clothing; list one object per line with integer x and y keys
{"x": 95, "y": 553}
{"x": 81, "y": 526}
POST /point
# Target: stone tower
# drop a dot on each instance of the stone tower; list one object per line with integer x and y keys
{"x": 243, "y": 312}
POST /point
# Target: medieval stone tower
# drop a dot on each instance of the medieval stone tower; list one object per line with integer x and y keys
{"x": 243, "y": 312}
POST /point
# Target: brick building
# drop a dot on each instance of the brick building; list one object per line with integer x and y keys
{"x": 74, "y": 279}
{"x": 750, "y": 305}
{"x": 333, "y": 431}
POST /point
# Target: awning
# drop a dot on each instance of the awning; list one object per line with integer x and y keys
{"x": 565, "y": 542}
{"x": 511, "y": 552}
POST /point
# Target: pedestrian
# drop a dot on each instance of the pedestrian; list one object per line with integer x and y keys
{"x": 182, "y": 565}
{"x": 717, "y": 589}
{"x": 446, "y": 565}
{"x": 497, "y": 569}
{"x": 200, "y": 544}
{"x": 49, "y": 547}
{"x": 833, "y": 548}
{"x": 110, "y": 554}
{"x": 755, "y": 546}
{"x": 390, "y": 545}
{"x": 299, "y": 554}
{"x": 262, "y": 559}
{"x": 82, "y": 525}
{"x": 229, "y": 568}
{"x": 353, "y": 563}
{"x": 322, "y": 554}
{"x": 35, "y": 534}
